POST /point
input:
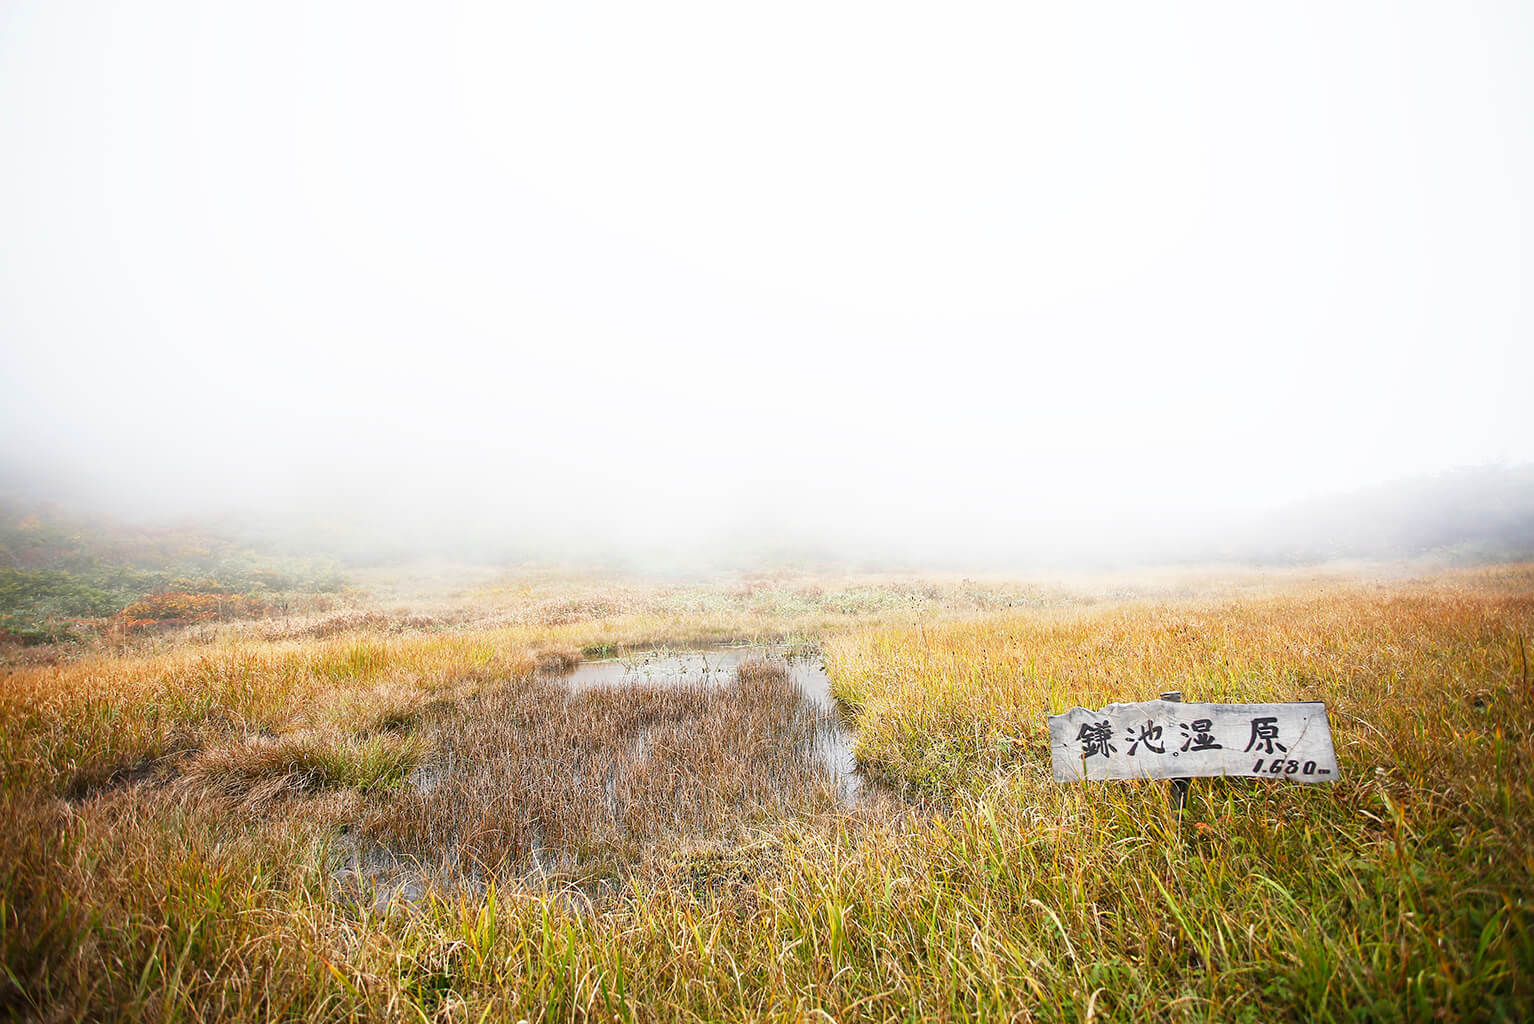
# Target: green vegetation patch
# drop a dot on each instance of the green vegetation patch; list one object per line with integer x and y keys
{"x": 62, "y": 577}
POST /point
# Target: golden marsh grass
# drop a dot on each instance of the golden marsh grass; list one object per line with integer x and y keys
{"x": 185, "y": 827}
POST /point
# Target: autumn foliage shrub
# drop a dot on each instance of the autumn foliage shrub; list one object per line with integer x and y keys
{"x": 174, "y": 607}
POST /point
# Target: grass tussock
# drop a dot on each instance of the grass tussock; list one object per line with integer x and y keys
{"x": 182, "y": 829}
{"x": 261, "y": 769}
{"x": 558, "y": 659}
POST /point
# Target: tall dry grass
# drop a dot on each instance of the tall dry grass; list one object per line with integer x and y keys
{"x": 178, "y": 828}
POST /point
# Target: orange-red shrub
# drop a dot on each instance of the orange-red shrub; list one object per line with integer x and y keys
{"x": 171, "y": 607}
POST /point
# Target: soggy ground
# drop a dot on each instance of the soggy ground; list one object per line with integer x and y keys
{"x": 716, "y": 666}
{"x": 581, "y": 773}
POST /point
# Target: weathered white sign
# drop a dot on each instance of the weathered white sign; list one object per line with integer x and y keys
{"x": 1162, "y": 739}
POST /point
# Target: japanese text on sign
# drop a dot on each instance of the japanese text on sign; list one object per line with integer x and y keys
{"x": 1159, "y": 739}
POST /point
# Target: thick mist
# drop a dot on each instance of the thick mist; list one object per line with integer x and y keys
{"x": 1097, "y": 282}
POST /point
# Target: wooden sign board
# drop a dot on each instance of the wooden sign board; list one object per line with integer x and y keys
{"x": 1161, "y": 739}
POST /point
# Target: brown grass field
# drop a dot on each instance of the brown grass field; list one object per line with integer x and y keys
{"x": 395, "y": 807}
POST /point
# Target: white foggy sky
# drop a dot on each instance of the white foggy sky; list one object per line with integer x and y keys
{"x": 656, "y": 271}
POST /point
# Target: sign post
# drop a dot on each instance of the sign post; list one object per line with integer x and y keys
{"x": 1170, "y": 739}
{"x": 1179, "y": 786}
